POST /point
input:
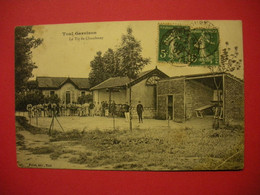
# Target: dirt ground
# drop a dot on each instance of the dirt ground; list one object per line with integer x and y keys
{"x": 92, "y": 143}
{"x": 107, "y": 123}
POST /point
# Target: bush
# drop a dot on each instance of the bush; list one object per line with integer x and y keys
{"x": 85, "y": 99}
{"x": 52, "y": 99}
{"x": 22, "y": 99}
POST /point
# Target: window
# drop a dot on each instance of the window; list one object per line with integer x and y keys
{"x": 52, "y": 93}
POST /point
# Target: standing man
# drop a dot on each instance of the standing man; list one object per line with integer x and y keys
{"x": 140, "y": 110}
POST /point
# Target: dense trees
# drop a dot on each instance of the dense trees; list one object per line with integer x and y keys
{"x": 25, "y": 92}
{"x": 130, "y": 55}
{"x": 24, "y": 43}
{"x": 126, "y": 60}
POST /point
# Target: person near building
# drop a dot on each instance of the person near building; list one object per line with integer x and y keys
{"x": 140, "y": 109}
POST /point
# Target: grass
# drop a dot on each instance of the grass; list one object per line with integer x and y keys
{"x": 178, "y": 149}
{"x": 151, "y": 149}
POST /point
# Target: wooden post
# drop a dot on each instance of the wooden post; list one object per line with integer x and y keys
{"x": 36, "y": 118}
{"x": 130, "y": 104}
{"x": 109, "y": 106}
{"x": 114, "y": 122}
{"x": 184, "y": 98}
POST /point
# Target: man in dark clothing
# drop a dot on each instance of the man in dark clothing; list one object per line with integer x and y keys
{"x": 140, "y": 110}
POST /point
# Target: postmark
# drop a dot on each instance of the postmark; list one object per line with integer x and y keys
{"x": 174, "y": 44}
{"x": 204, "y": 47}
{"x": 186, "y": 45}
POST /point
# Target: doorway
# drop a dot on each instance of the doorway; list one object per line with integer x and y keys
{"x": 67, "y": 97}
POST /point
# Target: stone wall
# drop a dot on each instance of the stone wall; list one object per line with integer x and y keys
{"x": 173, "y": 87}
{"x": 233, "y": 99}
{"x": 197, "y": 95}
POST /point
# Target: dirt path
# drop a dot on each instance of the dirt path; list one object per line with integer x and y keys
{"x": 106, "y": 123}
{"x": 32, "y": 154}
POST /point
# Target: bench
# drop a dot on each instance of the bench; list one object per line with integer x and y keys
{"x": 199, "y": 111}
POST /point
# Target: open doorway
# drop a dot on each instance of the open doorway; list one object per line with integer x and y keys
{"x": 67, "y": 97}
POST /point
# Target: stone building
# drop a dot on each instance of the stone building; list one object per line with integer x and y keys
{"x": 181, "y": 98}
{"x": 143, "y": 89}
{"x": 68, "y": 89}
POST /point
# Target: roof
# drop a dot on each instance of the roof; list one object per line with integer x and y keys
{"x": 204, "y": 75}
{"x": 115, "y": 82}
{"x": 112, "y": 82}
{"x": 58, "y": 82}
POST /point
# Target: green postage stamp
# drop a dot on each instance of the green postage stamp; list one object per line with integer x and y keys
{"x": 184, "y": 45}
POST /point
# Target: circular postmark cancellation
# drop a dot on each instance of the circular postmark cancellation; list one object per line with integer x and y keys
{"x": 190, "y": 44}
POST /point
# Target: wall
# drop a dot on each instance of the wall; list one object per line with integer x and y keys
{"x": 147, "y": 95}
{"x": 173, "y": 87}
{"x": 196, "y": 96}
{"x": 233, "y": 100}
{"x": 75, "y": 93}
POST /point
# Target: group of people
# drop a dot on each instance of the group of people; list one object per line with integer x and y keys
{"x": 86, "y": 109}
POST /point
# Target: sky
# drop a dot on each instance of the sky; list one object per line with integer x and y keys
{"x": 68, "y": 49}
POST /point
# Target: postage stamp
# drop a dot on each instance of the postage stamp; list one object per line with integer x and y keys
{"x": 204, "y": 45}
{"x": 174, "y": 43}
{"x": 184, "y": 45}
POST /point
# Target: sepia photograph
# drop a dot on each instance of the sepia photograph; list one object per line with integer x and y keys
{"x": 132, "y": 95}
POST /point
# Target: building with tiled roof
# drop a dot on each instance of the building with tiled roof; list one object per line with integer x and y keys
{"x": 68, "y": 89}
{"x": 143, "y": 88}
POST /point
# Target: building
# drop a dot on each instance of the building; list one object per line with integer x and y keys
{"x": 68, "y": 89}
{"x": 181, "y": 98}
{"x": 143, "y": 89}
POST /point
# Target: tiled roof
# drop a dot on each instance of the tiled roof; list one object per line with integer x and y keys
{"x": 58, "y": 82}
{"x": 122, "y": 81}
{"x": 112, "y": 82}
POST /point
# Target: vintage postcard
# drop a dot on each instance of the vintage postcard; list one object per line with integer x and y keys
{"x": 133, "y": 95}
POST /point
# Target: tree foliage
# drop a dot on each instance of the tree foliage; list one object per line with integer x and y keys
{"x": 126, "y": 60}
{"x": 111, "y": 63}
{"x": 85, "y": 99}
{"x": 130, "y": 55}
{"x": 24, "y": 43}
{"x": 33, "y": 97}
{"x": 229, "y": 60}
{"x": 97, "y": 73}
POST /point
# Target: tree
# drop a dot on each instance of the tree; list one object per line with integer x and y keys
{"x": 131, "y": 61}
{"x": 33, "y": 97}
{"x": 24, "y": 43}
{"x": 130, "y": 55}
{"x": 229, "y": 62}
{"x": 85, "y": 99}
{"x": 97, "y": 73}
{"x": 104, "y": 67}
{"x": 52, "y": 99}
{"x": 111, "y": 63}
